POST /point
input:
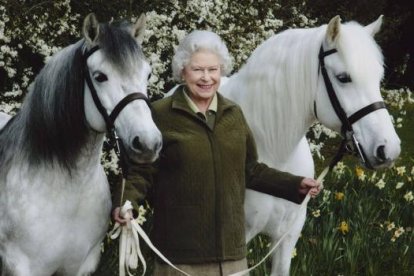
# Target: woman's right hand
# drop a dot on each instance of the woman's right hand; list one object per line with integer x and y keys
{"x": 116, "y": 215}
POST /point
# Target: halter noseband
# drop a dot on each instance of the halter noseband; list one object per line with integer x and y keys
{"x": 109, "y": 119}
{"x": 349, "y": 142}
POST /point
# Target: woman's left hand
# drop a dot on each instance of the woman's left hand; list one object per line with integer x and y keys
{"x": 311, "y": 186}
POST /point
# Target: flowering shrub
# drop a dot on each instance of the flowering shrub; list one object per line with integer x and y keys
{"x": 25, "y": 47}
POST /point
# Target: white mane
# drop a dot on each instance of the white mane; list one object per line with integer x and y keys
{"x": 280, "y": 77}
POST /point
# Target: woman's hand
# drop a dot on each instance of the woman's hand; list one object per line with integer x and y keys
{"x": 311, "y": 186}
{"x": 118, "y": 218}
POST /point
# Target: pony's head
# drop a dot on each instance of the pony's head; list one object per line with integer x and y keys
{"x": 351, "y": 65}
{"x": 116, "y": 90}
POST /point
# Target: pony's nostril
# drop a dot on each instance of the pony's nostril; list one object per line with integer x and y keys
{"x": 381, "y": 153}
{"x": 136, "y": 144}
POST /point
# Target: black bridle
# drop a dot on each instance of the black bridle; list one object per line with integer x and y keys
{"x": 113, "y": 140}
{"x": 349, "y": 143}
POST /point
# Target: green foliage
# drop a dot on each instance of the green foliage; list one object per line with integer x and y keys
{"x": 380, "y": 237}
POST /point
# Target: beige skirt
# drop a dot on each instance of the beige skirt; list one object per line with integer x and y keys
{"x": 207, "y": 269}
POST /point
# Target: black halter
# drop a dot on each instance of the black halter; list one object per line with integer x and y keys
{"x": 113, "y": 139}
{"x": 109, "y": 119}
{"x": 349, "y": 142}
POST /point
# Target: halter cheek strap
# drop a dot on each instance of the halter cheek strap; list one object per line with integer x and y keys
{"x": 109, "y": 119}
{"x": 349, "y": 142}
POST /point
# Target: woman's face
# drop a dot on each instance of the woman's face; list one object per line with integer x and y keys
{"x": 202, "y": 75}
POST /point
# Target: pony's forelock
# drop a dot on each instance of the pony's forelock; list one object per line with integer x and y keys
{"x": 119, "y": 47}
{"x": 362, "y": 56}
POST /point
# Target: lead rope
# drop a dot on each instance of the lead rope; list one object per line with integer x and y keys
{"x": 302, "y": 206}
{"x": 129, "y": 247}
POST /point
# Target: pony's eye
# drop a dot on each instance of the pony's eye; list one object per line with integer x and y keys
{"x": 100, "y": 77}
{"x": 344, "y": 78}
{"x": 149, "y": 76}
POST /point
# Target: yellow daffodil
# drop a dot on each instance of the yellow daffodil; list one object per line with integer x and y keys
{"x": 339, "y": 196}
{"x": 360, "y": 173}
{"x": 343, "y": 227}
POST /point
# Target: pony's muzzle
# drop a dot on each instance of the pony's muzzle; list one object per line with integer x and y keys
{"x": 146, "y": 152}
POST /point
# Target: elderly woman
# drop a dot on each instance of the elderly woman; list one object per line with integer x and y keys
{"x": 208, "y": 160}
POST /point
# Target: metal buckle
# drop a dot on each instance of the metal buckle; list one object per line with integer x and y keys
{"x": 353, "y": 146}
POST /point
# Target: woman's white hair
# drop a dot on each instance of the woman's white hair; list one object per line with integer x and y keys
{"x": 200, "y": 40}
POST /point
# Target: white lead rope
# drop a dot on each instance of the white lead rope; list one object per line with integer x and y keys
{"x": 129, "y": 248}
{"x": 302, "y": 206}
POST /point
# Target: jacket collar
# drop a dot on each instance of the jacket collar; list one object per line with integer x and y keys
{"x": 179, "y": 102}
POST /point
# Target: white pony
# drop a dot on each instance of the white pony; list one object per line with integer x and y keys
{"x": 283, "y": 88}
{"x": 54, "y": 195}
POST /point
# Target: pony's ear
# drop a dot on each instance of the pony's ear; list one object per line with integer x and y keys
{"x": 334, "y": 27}
{"x": 138, "y": 29}
{"x": 90, "y": 28}
{"x": 375, "y": 26}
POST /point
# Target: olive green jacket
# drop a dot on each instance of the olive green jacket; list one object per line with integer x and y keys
{"x": 199, "y": 185}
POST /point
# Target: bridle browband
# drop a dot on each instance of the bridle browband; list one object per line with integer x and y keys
{"x": 109, "y": 119}
{"x": 349, "y": 142}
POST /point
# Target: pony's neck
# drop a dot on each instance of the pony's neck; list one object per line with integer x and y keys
{"x": 276, "y": 90}
{"x": 90, "y": 155}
